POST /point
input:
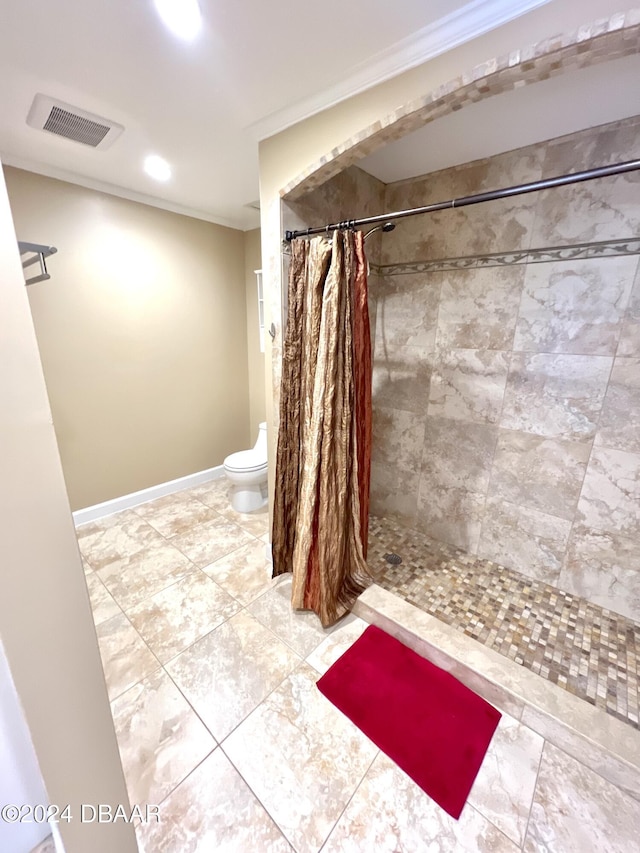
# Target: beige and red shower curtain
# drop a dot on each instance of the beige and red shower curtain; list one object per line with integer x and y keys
{"x": 321, "y": 509}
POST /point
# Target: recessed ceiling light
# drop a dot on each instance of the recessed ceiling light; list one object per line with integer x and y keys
{"x": 183, "y": 17}
{"x": 157, "y": 168}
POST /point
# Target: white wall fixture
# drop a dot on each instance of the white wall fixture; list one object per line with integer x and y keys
{"x": 71, "y": 122}
{"x": 260, "y": 307}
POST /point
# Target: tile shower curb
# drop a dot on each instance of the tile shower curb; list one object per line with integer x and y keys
{"x": 606, "y": 745}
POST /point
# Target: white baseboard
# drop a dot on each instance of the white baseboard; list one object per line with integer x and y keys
{"x": 92, "y": 513}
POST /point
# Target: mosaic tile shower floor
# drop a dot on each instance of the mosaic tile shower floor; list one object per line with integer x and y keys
{"x": 585, "y": 649}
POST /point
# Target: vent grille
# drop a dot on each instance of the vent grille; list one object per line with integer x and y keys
{"x": 72, "y": 123}
{"x": 75, "y": 127}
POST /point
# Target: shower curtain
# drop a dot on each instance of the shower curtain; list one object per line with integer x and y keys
{"x": 321, "y": 508}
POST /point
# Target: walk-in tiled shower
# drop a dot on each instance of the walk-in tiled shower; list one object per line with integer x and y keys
{"x": 583, "y": 648}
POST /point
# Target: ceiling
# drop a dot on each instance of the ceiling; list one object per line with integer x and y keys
{"x": 572, "y": 101}
{"x": 256, "y": 68}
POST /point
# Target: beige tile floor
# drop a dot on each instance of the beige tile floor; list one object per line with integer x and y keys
{"x": 219, "y": 722}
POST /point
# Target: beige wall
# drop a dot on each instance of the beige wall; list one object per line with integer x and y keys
{"x": 46, "y": 626}
{"x": 142, "y": 334}
{"x": 253, "y": 262}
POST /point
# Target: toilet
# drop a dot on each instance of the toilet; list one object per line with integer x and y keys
{"x": 247, "y": 473}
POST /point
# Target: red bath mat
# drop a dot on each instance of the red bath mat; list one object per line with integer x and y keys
{"x": 430, "y": 724}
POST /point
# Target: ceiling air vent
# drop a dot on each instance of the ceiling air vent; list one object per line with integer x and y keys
{"x": 72, "y": 123}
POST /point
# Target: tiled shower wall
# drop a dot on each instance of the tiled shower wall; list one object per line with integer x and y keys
{"x": 507, "y": 369}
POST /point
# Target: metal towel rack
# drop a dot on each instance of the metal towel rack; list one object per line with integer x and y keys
{"x": 35, "y": 253}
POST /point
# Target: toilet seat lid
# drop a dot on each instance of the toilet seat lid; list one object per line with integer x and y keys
{"x": 245, "y": 460}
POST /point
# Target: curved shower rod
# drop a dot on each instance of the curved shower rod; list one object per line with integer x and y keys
{"x": 464, "y": 201}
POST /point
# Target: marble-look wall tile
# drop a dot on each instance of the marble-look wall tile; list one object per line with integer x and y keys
{"x": 555, "y": 395}
{"x": 630, "y": 337}
{"x": 524, "y": 539}
{"x": 619, "y": 425}
{"x": 406, "y": 312}
{"x": 603, "y": 566}
{"x": 457, "y": 454}
{"x": 479, "y": 308}
{"x": 610, "y": 498}
{"x": 600, "y": 210}
{"x": 402, "y": 378}
{"x": 573, "y": 809}
{"x": 398, "y": 437}
{"x": 538, "y": 472}
{"x": 528, "y": 348}
{"x": 575, "y": 307}
{"x": 469, "y": 385}
{"x": 450, "y": 515}
{"x": 393, "y": 491}
{"x": 504, "y": 225}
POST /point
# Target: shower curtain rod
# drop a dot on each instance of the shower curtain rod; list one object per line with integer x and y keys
{"x": 520, "y": 189}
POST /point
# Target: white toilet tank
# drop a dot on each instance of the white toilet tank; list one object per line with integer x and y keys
{"x": 261, "y": 444}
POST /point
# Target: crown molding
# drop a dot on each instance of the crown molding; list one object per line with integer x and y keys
{"x": 470, "y": 21}
{"x": 48, "y": 171}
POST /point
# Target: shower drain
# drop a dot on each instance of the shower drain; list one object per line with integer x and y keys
{"x": 394, "y": 559}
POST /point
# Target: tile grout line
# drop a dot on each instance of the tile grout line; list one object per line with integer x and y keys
{"x": 257, "y": 798}
{"x": 535, "y": 788}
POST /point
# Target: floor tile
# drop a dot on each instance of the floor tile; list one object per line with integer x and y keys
{"x": 301, "y": 630}
{"x": 114, "y": 537}
{"x": 126, "y": 660}
{"x": 390, "y": 813}
{"x": 102, "y": 604}
{"x": 212, "y": 810}
{"x": 301, "y": 757}
{"x": 503, "y": 790}
{"x": 575, "y": 810}
{"x": 176, "y": 513}
{"x": 214, "y": 494}
{"x": 244, "y": 573}
{"x": 256, "y": 523}
{"x": 230, "y": 671}
{"x": 132, "y": 579}
{"x": 160, "y": 737}
{"x": 207, "y": 542}
{"x": 173, "y": 619}
{"x": 336, "y": 644}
